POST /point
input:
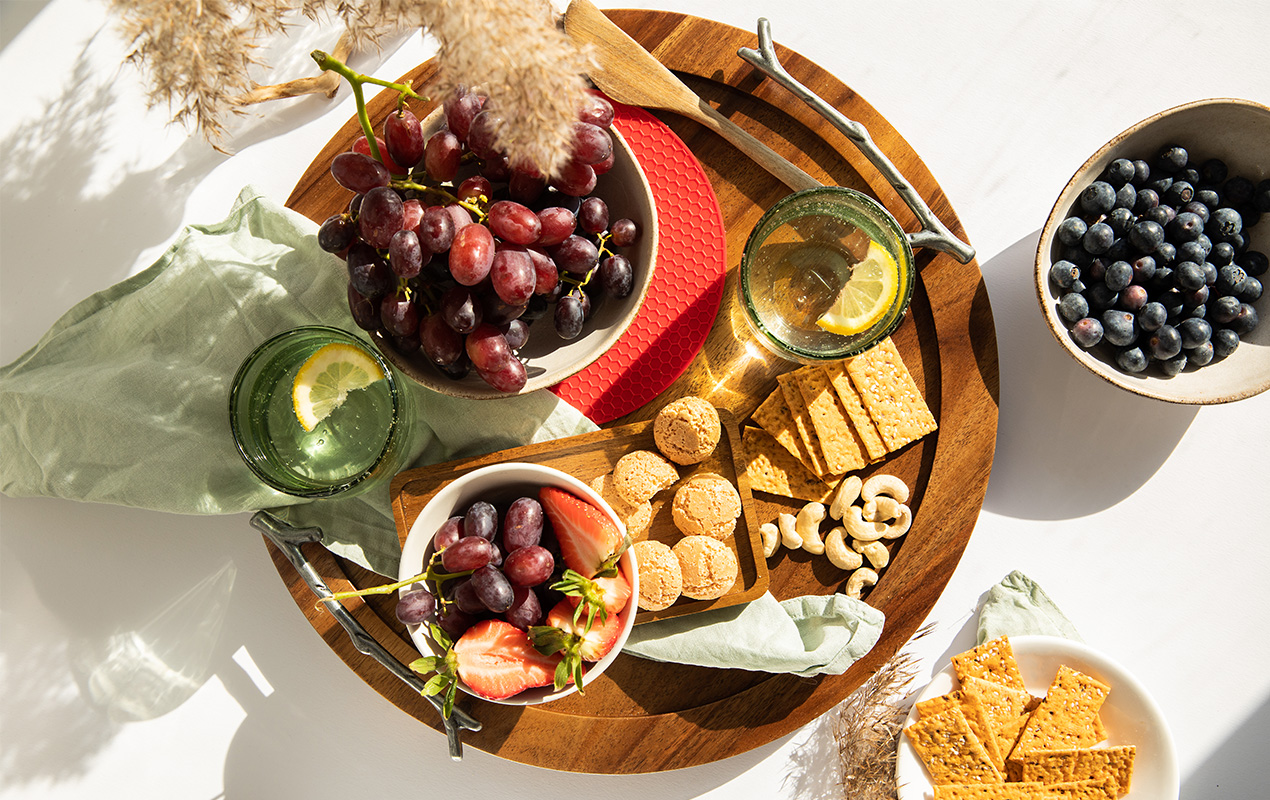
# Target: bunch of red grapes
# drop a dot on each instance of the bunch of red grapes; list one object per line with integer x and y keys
{"x": 453, "y": 252}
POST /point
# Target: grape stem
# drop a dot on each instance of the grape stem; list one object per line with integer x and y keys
{"x": 430, "y": 574}
{"x": 406, "y": 183}
{"x": 329, "y": 63}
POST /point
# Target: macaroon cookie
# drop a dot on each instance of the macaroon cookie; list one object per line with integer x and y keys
{"x": 661, "y": 578}
{"x": 709, "y": 567}
{"x": 636, "y": 516}
{"x": 687, "y": 430}
{"x": 640, "y": 474}
{"x": 706, "y": 505}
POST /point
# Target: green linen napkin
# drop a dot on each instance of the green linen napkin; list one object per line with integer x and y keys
{"x": 125, "y": 399}
{"x": 806, "y": 636}
{"x": 1018, "y": 606}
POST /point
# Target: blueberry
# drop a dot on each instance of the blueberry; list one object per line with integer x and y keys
{"x": 1141, "y": 172}
{"x": 1100, "y": 297}
{"x": 1073, "y": 307}
{"x": 1119, "y": 172}
{"x": 1165, "y": 254}
{"x": 1190, "y": 175}
{"x": 1126, "y": 197}
{"x": 1196, "y": 298}
{"x": 1210, "y": 273}
{"x": 1077, "y": 256}
{"x": 1238, "y": 190}
{"x": 1120, "y": 220}
{"x": 1250, "y": 290}
{"x": 1213, "y": 171}
{"x": 1239, "y": 242}
{"x": 1098, "y": 238}
{"x": 1070, "y": 230}
{"x": 1147, "y": 235}
{"x": 1194, "y": 332}
{"x": 1224, "y": 342}
{"x": 1245, "y": 321}
{"x": 1261, "y": 197}
{"x": 1224, "y": 309}
{"x": 1201, "y": 355}
{"x": 1143, "y": 269}
{"x": 1120, "y": 250}
{"x": 1224, "y": 224}
{"x": 1208, "y": 196}
{"x": 1179, "y": 193}
{"x": 1185, "y": 227}
{"x": 1199, "y": 312}
{"x": 1161, "y": 214}
{"x": 1230, "y": 278}
{"x": 1119, "y": 276}
{"x": 1133, "y": 298}
{"x": 1118, "y": 327}
{"x": 1132, "y": 359}
{"x": 1078, "y": 286}
{"x": 1188, "y": 275}
{"x": 1147, "y": 200}
{"x": 1171, "y": 159}
{"x": 1198, "y": 209}
{"x": 1161, "y": 280}
{"x": 1152, "y": 316}
{"x": 1064, "y": 273}
{"x": 1251, "y": 216}
{"x": 1098, "y": 198}
{"x": 1160, "y": 183}
{"x": 1222, "y": 254}
{"x": 1087, "y": 332}
{"x": 1205, "y": 244}
{"x": 1164, "y": 343}
{"x": 1174, "y": 365}
{"x": 1190, "y": 251}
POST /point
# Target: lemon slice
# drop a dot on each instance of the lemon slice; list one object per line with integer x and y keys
{"x": 326, "y": 378}
{"x": 866, "y": 296}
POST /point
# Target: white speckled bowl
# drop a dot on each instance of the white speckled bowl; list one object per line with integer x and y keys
{"x": 1237, "y": 131}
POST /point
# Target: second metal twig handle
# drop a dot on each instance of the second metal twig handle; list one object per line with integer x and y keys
{"x": 934, "y": 234}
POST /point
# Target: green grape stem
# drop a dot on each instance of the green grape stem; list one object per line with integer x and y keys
{"x": 430, "y": 574}
{"x": 406, "y": 183}
{"x": 356, "y": 80}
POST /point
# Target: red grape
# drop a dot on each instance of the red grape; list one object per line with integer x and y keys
{"x": 512, "y": 274}
{"x": 487, "y": 347}
{"x": 439, "y": 342}
{"x": 591, "y": 144}
{"x": 474, "y": 187}
{"x": 336, "y": 233}
{"x": 569, "y": 316}
{"x": 358, "y": 172}
{"x": 492, "y": 588}
{"x": 593, "y": 215}
{"x": 461, "y": 216}
{"x": 365, "y": 313}
{"x": 529, "y": 566}
{"x": 546, "y": 276}
{"x": 436, "y": 229}
{"x": 516, "y": 332}
{"x": 467, "y": 600}
{"x": 360, "y": 145}
{"x": 381, "y": 216}
{"x": 514, "y": 222}
{"x": 526, "y": 188}
{"x": 601, "y": 167}
{"x": 526, "y": 609}
{"x": 522, "y": 524}
{"x": 471, "y": 254}
{"x": 510, "y": 378}
{"x": 405, "y": 254}
{"x": 625, "y": 232}
{"x": 616, "y": 276}
{"x": 480, "y": 136}
{"x": 441, "y": 156}
{"x": 367, "y": 271}
{"x": 469, "y": 552}
{"x": 404, "y": 138}
{"x": 461, "y": 106}
{"x": 460, "y": 310}
{"x": 497, "y": 169}
{"x": 596, "y": 110}
{"x": 557, "y": 223}
{"x": 398, "y": 313}
{"x": 450, "y": 532}
{"x": 415, "y": 606}
{"x": 575, "y": 254}
{"x": 576, "y": 179}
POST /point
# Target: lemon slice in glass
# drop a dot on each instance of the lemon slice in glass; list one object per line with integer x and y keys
{"x": 864, "y": 299}
{"x": 326, "y": 378}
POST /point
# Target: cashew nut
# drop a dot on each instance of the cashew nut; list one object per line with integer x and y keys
{"x": 859, "y": 579}
{"x": 884, "y": 484}
{"x": 836, "y": 549}
{"x": 807, "y": 526}
{"x": 903, "y": 519}
{"x": 876, "y": 552}
{"x": 881, "y": 509}
{"x": 771, "y": 538}
{"x": 789, "y": 537}
{"x": 862, "y": 530}
{"x": 844, "y": 496}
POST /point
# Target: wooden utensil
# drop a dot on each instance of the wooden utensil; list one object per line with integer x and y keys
{"x": 630, "y": 74}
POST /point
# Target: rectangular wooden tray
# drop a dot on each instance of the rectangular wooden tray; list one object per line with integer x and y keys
{"x": 591, "y": 455}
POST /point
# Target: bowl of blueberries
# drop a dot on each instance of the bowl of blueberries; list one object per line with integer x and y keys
{"x": 1149, "y": 269}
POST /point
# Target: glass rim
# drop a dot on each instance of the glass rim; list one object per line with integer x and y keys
{"x": 394, "y": 425}
{"x": 874, "y": 210}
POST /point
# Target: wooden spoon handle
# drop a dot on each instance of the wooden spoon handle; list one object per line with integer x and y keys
{"x": 764, "y": 156}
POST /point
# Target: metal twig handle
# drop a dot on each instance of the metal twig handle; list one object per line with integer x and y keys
{"x": 288, "y": 539}
{"x": 934, "y": 234}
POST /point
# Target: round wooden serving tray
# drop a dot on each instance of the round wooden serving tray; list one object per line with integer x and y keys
{"x": 642, "y": 716}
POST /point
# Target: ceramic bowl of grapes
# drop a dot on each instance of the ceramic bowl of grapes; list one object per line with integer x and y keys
{"x": 1150, "y": 268}
{"x": 479, "y": 278}
{"x": 519, "y": 585}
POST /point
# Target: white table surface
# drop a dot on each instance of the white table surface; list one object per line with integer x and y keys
{"x": 1146, "y": 522}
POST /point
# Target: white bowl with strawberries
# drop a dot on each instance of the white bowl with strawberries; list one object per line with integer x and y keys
{"x": 530, "y": 580}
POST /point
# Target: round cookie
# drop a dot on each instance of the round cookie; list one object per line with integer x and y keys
{"x": 640, "y": 474}
{"x": 661, "y": 578}
{"x": 707, "y": 505}
{"x": 636, "y": 516}
{"x": 687, "y": 430}
{"x": 709, "y": 567}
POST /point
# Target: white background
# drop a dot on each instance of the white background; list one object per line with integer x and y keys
{"x": 1146, "y": 522}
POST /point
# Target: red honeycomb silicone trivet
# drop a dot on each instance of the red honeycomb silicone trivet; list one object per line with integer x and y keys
{"x": 687, "y": 286}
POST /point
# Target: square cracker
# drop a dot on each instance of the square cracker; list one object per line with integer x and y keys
{"x": 1007, "y": 709}
{"x": 993, "y": 660}
{"x": 891, "y": 395}
{"x": 802, "y": 424}
{"x": 842, "y": 449}
{"x": 774, "y": 416}
{"x": 772, "y": 469}
{"x": 856, "y": 412}
{"x": 950, "y": 750}
{"x": 1065, "y": 718}
{"x": 976, "y": 717}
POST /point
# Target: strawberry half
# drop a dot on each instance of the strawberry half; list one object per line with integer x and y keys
{"x": 599, "y": 596}
{"x": 590, "y": 542}
{"x": 576, "y": 643}
{"x": 496, "y": 660}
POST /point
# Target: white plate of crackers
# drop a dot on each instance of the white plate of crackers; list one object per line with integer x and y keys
{"x": 1035, "y": 717}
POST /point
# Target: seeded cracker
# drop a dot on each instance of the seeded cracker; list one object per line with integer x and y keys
{"x": 1055, "y": 766}
{"x": 861, "y": 422}
{"x": 993, "y": 660}
{"x": 772, "y": 469}
{"x": 891, "y": 396}
{"x": 1080, "y": 790}
{"x": 1065, "y": 718}
{"x": 1007, "y": 709}
{"x": 976, "y": 717}
{"x": 950, "y": 750}
{"x": 843, "y": 450}
{"x": 802, "y": 424}
{"x": 774, "y": 417}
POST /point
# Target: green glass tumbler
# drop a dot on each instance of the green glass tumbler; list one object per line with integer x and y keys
{"x": 361, "y": 441}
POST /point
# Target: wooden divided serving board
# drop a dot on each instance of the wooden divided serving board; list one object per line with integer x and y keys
{"x": 643, "y": 716}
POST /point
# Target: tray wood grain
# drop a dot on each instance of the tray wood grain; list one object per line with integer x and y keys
{"x": 645, "y": 716}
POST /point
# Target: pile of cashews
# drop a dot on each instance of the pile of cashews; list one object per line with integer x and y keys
{"x": 882, "y": 515}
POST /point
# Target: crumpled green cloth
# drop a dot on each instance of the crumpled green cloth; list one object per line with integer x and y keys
{"x": 125, "y": 399}
{"x": 1018, "y": 606}
{"x": 805, "y": 636}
